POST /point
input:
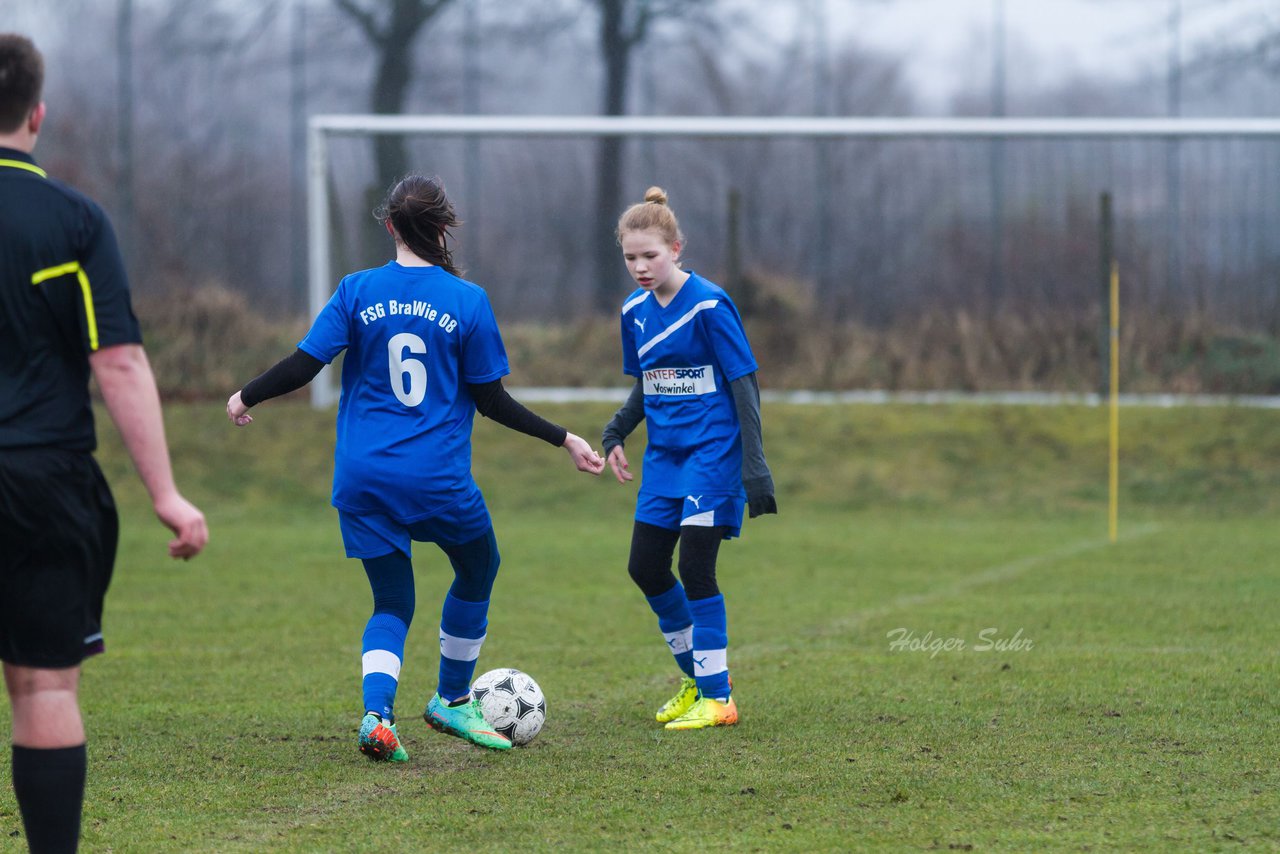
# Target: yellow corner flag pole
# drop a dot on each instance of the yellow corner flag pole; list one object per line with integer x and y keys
{"x": 1114, "y": 467}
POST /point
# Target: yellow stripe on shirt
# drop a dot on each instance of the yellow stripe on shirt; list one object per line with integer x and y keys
{"x": 66, "y": 270}
{"x": 22, "y": 164}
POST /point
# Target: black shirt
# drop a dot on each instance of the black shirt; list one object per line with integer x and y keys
{"x": 63, "y": 295}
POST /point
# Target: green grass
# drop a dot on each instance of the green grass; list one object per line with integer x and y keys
{"x": 1142, "y": 717}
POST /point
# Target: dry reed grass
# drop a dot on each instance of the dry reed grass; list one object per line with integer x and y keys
{"x": 209, "y": 341}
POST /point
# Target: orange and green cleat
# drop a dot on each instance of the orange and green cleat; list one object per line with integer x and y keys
{"x": 707, "y": 712}
{"x": 378, "y": 740}
{"x": 681, "y": 702}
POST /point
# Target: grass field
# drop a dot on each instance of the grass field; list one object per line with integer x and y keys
{"x": 1107, "y": 697}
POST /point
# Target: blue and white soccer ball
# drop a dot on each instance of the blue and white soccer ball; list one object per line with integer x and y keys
{"x": 512, "y": 703}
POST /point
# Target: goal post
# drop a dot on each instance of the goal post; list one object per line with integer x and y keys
{"x": 321, "y": 280}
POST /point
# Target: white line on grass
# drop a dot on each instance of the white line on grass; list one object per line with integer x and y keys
{"x": 990, "y": 575}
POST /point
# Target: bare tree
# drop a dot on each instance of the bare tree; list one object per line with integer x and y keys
{"x": 1248, "y": 42}
{"x": 392, "y": 35}
{"x": 624, "y": 26}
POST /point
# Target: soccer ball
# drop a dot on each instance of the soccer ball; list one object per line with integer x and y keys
{"x": 512, "y": 703}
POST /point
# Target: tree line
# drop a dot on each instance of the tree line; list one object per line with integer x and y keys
{"x": 214, "y": 95}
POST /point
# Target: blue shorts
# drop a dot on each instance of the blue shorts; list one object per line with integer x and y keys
{"x": 374, "y": 535}
{"x": 693, "y": 510}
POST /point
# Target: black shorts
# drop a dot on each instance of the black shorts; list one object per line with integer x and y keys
{"x": 58, "y": 535}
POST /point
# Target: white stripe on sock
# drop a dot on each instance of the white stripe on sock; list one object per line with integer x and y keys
{"x": 381, "y": 661}
{"x": 460, "y": 649}
{"x": 681, "y": 641}
{"x": 709, "y": 662}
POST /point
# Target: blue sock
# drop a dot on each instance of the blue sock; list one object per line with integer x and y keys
{"x": 383, "y": 647}
{"x": 462, "y": 632}
{"x": 710, "y": 647}
{"x": 676, "y": 624}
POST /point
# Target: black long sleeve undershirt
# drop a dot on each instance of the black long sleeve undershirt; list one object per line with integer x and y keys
{"x": 289, "y": 374}
{"x": 625, "y": 420}
{"x": 492, "y": 399}
{"x": 756, "y": 477}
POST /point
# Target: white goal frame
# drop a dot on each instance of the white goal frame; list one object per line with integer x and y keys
{"x": 321, "y": 127}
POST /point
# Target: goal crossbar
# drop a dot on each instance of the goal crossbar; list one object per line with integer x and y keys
{"x": 789, "y": 126}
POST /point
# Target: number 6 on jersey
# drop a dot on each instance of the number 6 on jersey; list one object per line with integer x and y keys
{"x": 413, "y": 370}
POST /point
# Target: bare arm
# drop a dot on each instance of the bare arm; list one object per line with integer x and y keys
{"x": 129, "y": 389}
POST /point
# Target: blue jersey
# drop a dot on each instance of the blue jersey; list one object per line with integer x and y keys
{"x": 414, "y": 337}
{"x": 686, "y": 354}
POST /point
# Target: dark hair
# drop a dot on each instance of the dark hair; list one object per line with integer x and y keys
{"x": 421, "y": 213}
{"x": 21, "y": 79}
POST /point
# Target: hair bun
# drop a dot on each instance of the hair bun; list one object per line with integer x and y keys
{"x": 656, "y": 195}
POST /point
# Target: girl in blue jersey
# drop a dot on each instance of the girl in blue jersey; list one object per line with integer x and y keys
{"x": 683, "y": 341}
{"x": 423, "y": 355}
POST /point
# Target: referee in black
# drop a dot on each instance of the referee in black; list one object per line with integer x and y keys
{"x": 64, "y": 314}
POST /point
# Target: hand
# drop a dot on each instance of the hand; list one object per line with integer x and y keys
{"x": 618, "y": 462}
{"x": 760, "y": 498}
{"x": 186, "y": 521}
{"x": 583, "y": 455}
{"x": 760, "y": 505}
{"x": 237, "y": 411}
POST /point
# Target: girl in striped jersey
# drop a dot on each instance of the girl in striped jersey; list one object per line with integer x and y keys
{"x": 683, "y": 341}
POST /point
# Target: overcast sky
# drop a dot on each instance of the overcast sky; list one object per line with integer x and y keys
{"x": 946, "y": 46}
{"x": 944, "y": 42}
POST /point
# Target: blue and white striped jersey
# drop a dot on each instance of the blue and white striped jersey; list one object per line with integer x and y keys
{"x": 414, "y": 336}
{"x": 686, "y": 354}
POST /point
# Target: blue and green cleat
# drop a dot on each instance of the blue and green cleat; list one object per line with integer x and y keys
{"x": 465, "y": 721}
{"x": 379, "y": 741}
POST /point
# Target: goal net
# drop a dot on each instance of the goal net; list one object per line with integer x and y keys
{"x": 916, "y": 225}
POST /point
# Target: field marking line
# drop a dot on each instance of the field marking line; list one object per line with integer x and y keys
{"x": 1093, "y": 649}
{"x": 990, "y": 575}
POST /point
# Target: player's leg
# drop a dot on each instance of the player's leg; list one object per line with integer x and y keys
{"x": 464, "y": 621}
{"x": 382, "y": 545}
{"x": 464, "y": 617}
{"x": 382, "y": 653}
{"x": 699, "y": 548}
{"x": 649, "y": 566}
{"x": 49, "y": 757}
{"x": 702, "y": 530}
{"x": 45, "y": 703}
{"x": 58, "y": 534}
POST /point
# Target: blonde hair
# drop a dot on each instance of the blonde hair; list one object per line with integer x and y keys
{"x": 652, "y": 214}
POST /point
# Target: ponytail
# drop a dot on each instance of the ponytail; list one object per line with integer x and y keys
{"x": 421, "y": 214}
